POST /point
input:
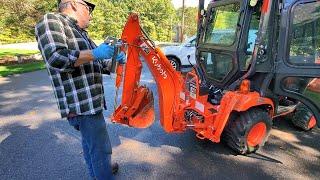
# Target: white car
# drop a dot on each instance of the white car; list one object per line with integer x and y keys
{"x": 178, "y": 55}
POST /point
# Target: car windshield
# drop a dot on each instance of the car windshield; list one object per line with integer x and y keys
{"x": 190, "y": 41}
{"x": 251, "y": 39}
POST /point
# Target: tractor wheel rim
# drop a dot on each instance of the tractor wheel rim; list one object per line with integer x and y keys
{"x": 312, "y": 122}
{"x": 173, "y": 64}
{"x": 256, "y": 134}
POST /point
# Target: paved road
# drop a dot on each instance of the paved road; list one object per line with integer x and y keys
{"x": 24, "y": 46}
{"x": 36, "y": 144}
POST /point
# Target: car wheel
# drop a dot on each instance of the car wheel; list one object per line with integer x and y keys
{"x": 175, "y": 63}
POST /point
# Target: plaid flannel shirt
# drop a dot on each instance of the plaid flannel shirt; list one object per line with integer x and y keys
{"x": 78, "y": 90}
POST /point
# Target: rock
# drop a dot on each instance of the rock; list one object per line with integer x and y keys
{"x": 19, "y": 57}
{"x": 36, "y": 57}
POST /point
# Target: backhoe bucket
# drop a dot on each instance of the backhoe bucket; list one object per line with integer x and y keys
{"x": 141, "y": 112}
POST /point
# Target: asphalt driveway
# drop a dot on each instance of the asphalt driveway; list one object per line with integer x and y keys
{"x": 36, "y": 144}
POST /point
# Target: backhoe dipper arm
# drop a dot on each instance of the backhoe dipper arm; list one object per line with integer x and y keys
{"x": 136, "y": 108}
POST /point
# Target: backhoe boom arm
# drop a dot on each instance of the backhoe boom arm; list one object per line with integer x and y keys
{"x": 136, "y": 108}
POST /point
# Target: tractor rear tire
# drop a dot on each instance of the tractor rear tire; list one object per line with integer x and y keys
{"x": 303, "y": 118}
{"x": 247, "y": 131}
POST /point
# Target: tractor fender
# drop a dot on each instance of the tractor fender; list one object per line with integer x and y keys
{"x": 239, "y": 102}
{"x": 251, "y": 99}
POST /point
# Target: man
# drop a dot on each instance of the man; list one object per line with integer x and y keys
{"x": 75, "y": 65}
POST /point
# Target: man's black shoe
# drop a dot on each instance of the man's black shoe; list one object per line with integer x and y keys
{"x": 115, "y": 168}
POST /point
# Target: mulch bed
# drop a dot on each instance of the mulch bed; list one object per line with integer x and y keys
{"x": 4, "y": 61}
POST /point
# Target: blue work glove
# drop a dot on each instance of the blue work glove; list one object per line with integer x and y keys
{"x": 121, "y": 58}
{"x": 103, "y": 51}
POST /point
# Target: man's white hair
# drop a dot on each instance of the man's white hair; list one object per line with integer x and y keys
{"x": 63, "y": 4}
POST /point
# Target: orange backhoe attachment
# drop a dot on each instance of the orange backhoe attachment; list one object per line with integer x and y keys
{"x": 136, "y": 108}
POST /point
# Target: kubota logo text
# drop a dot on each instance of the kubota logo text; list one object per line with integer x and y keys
{"x": 159, "y": 67}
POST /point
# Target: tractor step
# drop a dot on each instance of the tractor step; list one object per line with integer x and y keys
{"x": 284, "y": 110}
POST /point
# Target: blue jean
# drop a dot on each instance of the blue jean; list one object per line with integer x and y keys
{"x": 96, "y": 145}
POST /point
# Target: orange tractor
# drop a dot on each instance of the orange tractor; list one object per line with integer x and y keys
{"x": 253, "y": 57}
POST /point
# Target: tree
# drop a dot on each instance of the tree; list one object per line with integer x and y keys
{"x": 191, "y": 16}
{"x": 18, "y": 18}
{"x": 157, "y": 16}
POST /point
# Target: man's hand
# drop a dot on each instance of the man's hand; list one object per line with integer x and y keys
{"x": 121, "y": 58}
{"x": 103, "y": 51}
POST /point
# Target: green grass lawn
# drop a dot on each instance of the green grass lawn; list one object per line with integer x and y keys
{"x": 6, "y": 70}
{"x": 21, "y": 68}
{"x": 15, "y": 52}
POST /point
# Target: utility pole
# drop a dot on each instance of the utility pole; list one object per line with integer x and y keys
{"x": 182, "y": 22}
